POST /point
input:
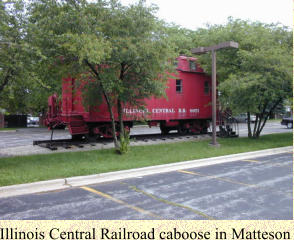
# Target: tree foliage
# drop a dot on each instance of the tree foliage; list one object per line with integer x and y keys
{"x": 13, "y": 55}
{"x": 22, "y": 85}
{"x": 257, "y": 77}
{"x": 183, "y": 39}
{"x": 125, "y": 49}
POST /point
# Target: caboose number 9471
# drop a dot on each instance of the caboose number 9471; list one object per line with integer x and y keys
{"x": 187, "y": 107}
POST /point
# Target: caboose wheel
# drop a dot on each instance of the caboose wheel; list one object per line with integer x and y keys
{"x": 77, "y": 137}
{"x": 164, "y": 130}
{"x": 204, "y": 130}
{"x": 182, "y": 130}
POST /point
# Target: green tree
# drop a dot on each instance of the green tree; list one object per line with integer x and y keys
{"x": 257, "y": 77}
{"x": 124, "y": 49}
{"x": 140, "y": 56}
{"x": 21, "y": 89}
{"x": 13, "y": 51}
{"x": 182, "y": 39}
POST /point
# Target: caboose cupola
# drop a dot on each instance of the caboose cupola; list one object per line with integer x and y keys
{"x": 188, "y": 64}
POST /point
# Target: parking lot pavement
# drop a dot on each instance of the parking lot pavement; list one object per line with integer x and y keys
{"x": 259, "y": 188}
{"x": 270, "y": 127}
{"x": 26, "y": 136}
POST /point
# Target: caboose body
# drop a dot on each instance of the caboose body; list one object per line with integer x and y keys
{"x": 187, "y": 107}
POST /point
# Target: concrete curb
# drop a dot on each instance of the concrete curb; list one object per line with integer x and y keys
{"x": 28, "y": 188}
{"x": 59, "y": 184}
{"x": 8, "y": 131}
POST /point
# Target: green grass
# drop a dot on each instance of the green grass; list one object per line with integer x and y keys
{"x": 278, "y": 120}
{"x": 7, "y": 129}
{"x": 16, "y": 170}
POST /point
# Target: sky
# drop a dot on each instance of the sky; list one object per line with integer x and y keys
{"x": 193, "y": 14}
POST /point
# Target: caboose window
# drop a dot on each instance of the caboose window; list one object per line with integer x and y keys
{"x": 179, "y": 85}
{"x": 192, "y": 66}
{"x": 206, "y": 88}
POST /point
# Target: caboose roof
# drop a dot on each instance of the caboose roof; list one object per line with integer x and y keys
{"x": 184, "y": 64}
{"x": 186, "y": 58}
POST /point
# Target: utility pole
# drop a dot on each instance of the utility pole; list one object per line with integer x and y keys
{"x": 212, "y": 49}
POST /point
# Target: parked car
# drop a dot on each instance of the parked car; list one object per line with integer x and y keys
{"x": 32, "y": 121}
{"x": 242, "y": 118}
{"x": 288, "y": 121}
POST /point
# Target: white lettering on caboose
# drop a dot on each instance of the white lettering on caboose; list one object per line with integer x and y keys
{"x": 134, "y": 110}
{"x": 159, "y": 110}
{"x": 163, "y": 110}
{"x": 194, "y": 110}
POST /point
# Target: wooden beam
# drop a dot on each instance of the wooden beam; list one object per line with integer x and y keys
{"x": 202, "y": 50}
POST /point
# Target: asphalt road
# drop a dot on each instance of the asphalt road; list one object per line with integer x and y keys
{"x": 26, "y": 136}
{"x": 260, "y": 188}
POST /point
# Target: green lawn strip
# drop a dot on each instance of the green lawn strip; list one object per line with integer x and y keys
{"x": 17, "y": 170}
{"x": 7, "y": 129}
{"x": 278, "y": 120}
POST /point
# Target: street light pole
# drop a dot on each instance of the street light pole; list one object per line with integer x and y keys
{"x": 202, "y": 50}
{"x": 213, "y": 56}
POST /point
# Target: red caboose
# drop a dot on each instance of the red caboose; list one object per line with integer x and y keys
{"x": 186, "y": 109}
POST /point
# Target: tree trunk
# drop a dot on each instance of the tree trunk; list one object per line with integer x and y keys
{"x": 248, "y": 125}
{"x": 109, "y": 105}
{"x": 120, "y": 117}
{"x": 8, "y": 75}
{"x": 261, "y": 119}
{"x": 264, "y": 121}
{"x": 268, "y": 115}
{"x": 255, "y": 125}
{"x": 257, "y": 130}
{"x": 119, "y": 104}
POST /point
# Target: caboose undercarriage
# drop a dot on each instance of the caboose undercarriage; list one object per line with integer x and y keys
{"x": 79, "y": 128}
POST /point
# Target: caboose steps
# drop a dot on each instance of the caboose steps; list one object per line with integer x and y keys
{"x": 77, "y": 126}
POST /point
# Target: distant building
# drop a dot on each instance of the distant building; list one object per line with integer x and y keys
{"x": 15, "y": 121}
